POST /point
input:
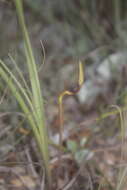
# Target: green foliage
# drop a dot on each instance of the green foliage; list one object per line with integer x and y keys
{"x": 72, "y": 146}
{"x": 29, "y": 98}
{"x": 78, "y": 150}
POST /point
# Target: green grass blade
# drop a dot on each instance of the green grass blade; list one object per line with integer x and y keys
{"x": 20, "y": 73}
{"x": 37, "y": 98}
{"x": 23, "y": 91}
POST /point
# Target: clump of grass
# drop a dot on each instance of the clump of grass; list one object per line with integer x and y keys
{"x": 123, "y": 171}
{"x": 30, "y": 97}
{"x": 121, "y": 179}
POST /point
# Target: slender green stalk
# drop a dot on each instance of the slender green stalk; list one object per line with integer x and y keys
{"x": 117, "y": 15}
{"x": 36, "y": 91}
{"x": 20, "y": 74}
{"x": 31, "y": 101}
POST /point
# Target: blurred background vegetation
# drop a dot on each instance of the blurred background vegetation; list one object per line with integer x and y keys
{"x": 70, "y": 30}
{"x": 67, "y": 28}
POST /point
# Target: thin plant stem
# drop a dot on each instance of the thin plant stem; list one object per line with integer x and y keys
{"x": 69, "y": 93}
